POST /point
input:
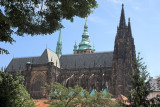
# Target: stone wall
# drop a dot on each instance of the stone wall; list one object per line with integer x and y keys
{"x": 88, "y": 78}
{"x": 36, "y": 75}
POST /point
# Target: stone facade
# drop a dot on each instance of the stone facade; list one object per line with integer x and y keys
{"x": 36, "y": 75}
{"x": 88, "y": 78}
{"x": 104, "y": 70}
{"x": 123, "y": 57}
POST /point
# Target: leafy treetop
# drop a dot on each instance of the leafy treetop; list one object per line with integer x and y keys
{"x": 34, "y": 17}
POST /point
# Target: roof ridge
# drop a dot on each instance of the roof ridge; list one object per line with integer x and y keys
{"x": 88, "y": 53}
{"x": 25, "y": 57}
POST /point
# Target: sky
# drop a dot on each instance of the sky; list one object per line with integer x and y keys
{"x": 102, "y": 28}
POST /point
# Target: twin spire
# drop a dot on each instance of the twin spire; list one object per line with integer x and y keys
{"x": 84, "y": 45}
{"x": 122, "y": 23}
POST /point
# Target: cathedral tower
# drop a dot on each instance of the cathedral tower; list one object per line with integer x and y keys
{"x": 84, "y": 45}
{"x": 123, "y": 57}
{"x": 59, "y": 45}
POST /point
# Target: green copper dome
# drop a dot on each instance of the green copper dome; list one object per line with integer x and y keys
{"x": 85, "y": 42}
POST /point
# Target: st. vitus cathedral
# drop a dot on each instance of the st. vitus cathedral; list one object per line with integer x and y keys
{"x": 91, "y": 70}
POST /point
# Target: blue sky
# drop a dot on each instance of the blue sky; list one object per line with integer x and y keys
{"x": 145, "y": 24}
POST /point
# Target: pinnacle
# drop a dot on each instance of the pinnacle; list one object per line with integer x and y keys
{"x": 122, "y": 23}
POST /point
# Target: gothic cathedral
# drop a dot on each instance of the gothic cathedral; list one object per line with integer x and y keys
{"x": 91, "y": 70}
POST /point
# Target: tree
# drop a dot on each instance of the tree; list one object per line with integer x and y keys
{"x": 12, "y": 91}
{"x": 72, "y": 97}
{"x": 140, "y": 86}
{"x": 34, "y": 17}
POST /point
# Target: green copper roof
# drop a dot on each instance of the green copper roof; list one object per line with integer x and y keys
{"x": 105, "y": 91}
{"x": 60, "y": 36}
{"x": 85, "y": 42}
{"x": 93, "y": 92}
{"x": 75, "y": 46}
{"x": 93, "y": 50}
{"x": 59, "y": 45}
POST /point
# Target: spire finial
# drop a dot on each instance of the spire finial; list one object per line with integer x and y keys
{"x": 122, "y": 23}
{"x": 129, "y": 19}
{"x": 122, "y": 5}
{"x": 86, "y": 26}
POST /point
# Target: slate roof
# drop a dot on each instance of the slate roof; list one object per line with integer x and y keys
{"x": 88, "y": 60}
{"x": 155, "y": 84}
{"x": 17, "y": 64}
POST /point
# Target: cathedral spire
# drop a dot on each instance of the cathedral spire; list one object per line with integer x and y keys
{"x": 59, "y": 45}
{"x": 85, "y": 43}
{"x": 129, "y": 27}
{"x": 122, "y": 23}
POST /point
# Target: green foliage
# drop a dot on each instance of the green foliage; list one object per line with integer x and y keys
{"x": 12, "y": 91}
{"x": 140, "y": 84}
{"x": 36, "y": 17}
{"x": 71, "y": 97}
{"x": 3, "y": 51}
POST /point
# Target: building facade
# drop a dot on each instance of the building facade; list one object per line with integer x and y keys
{"x": 92, "y": 70}
{"x": 155, "y": 88}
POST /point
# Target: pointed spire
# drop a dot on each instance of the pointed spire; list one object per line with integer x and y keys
{"x": 59, "y": 45}
{"x": 122, "y": 23}
{"x": 85, "y": 43}
{"x": 75, "y": 46}
{"x": 60, "y": 36}
{"x": 129, "y": 27}
{"x": 86, "y": 26}
{"x": 93, "y": 50}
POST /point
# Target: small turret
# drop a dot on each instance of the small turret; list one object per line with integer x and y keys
{"x": 129, "y": 28}
{"x": 59, "y": 45}
{"x": 93, "y": 50}
{"x": 75, "y": 48}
